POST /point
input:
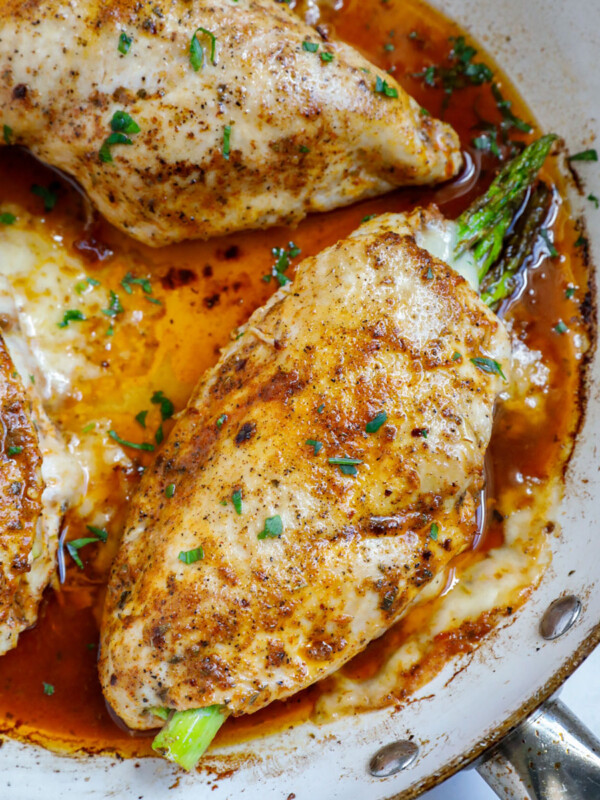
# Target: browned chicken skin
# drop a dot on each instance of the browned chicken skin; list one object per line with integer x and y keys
{"x": 278, "y": 124}
{"x": 320, "y": 560}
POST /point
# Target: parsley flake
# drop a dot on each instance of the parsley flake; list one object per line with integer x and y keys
{"x": 114, "y": 307}
{"x": 456, "y": 356}
{"x": 283, "y": 260}
{"x": 146, "y": 446}
{"x": 7, "y": 133}
{"x": 552, "y": 251}
{"x": 433, "y": 531}
{"x": 273, "y": 528}
{"x": 6, "y": 218}
{"x": 374, "y": 424}
{"x": 316, "y": 446}
{"x": 236, "y": 499}
{"x": 221, "y": 421}
{"x": 170, "y": 490}
{"x": 382, "y": 87}
{"x": 197, "y": 51}
{"x": 100, "y": 533}
{"x": 560, "y": 327}
{"x": 71, "y": 315}
{"x": 226, "y": 142}
{"x": 310, "y": 47}
{"x": 321, "y": 408}
{"x": 167, "y": 409}
{"x": 326, "y": 56}
{"x": 14, "y": 450}
{"x": 141, "y": 418}
{"x": 593, "y": 199}
{"x": 47, "y": 193}
{"x": 488, "y": 365}
{"x": 129, "y": 281}
{"x": 191, "y": 556}
{"x": 75, "y": 545}
{"x": 570, "y": 291}
{"x": 124, "y": 43}
{"x": 585, "y": 155}
{"x": 48, "y": 688}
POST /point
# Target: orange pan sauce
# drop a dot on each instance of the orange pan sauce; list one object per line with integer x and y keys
{"x": 207, "y": 290}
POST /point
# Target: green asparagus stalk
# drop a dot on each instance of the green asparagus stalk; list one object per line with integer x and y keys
{"x": 499, "y": 282}
{"x": 483, "y": 227}
{"x": 187, "y": 734}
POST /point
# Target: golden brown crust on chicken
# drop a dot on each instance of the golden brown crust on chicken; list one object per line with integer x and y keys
{"x": 21, "y": 488}
{"x": 370, "y": 325}
{"x": 266, "y": 135}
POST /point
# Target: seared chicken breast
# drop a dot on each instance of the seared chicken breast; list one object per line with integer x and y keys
{"x": 185, "y": 120}
{"x": 322, "y": 474}
{"x": 38, "y": 476}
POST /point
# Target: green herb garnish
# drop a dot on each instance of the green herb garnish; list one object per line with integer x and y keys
{"x": 48, "y": 688}
{"x": 71, "y": 315}
{"x": 114, "y": 307}
{"x": 488, "y": 365}
{"x": 585, "y": 155}
{"x": 47, "y": 193}
{"x": 273, "y": 528}
{"x": 14, "y": 450}
{"x": 74, "y": 546}
{"x": 433, "y": 531}
{"x": 100, "y": 533}
{"x": 197, "y": 51}
{"x": 167, "y": 409}
{"x": 6, "y": 218}
{"x": 141, "y": 418}
{"x": 221, "y": 421}
{"x": 382, "y": 87}
{"x": 146, "y": 446}
{"x": 236, "y": 499}
{"x": 124, "y": 43}
{"x": 560, "y": 327}
{"x": 374, "y": 424}
{"x": 170, "y": 490}
{"x": 310, "y": 47}
{"x": 226, "y": 142}
{"x": 7, "y": 133}
{"x": 316, "y": 446}
{"x": 191, "y": 556}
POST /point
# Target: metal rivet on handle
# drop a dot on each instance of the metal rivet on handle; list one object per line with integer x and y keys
{"x": 393, "y": 758}
{"x": 560, "y": 616}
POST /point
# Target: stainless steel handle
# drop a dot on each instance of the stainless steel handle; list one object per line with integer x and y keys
{"x": 550, "y": 756}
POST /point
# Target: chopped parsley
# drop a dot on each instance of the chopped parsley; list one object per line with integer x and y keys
{"x": 159, "y": 435}
{"x": 382, "y": 87}
{"x": 433, "y": 531}
{"x": 74, "y": 546}
{"x": 304, "y": 149}
{"x": 581, "y": 241}
{"x": 191, "y": 556}
{"x": 310, "y": 47}
{"x": 488, "y": 365}
{"x": 509, "y": 120}
{"x": 141, "y": 418}
{"x": 236, "y": 499}
{"x": 100, "y": 533}
{"x": 321, "y": 408}
{"x": 114, "y": 307}
{"x": 316, "y": 446}
{"x": 326, "y": 56}
{"x": 273, "y": 528}
{"x": 83, "y": 285}
{"x": 48, "y": 688}
{"x": 221, "y": 421}
{"x": 170, "y": 490}
{"x": 226, "y": 142}
{"x": 570, "y": 291}
{"x": 47, "y": 193}
{"x": 283, "y": 259}
{"x": 456, "y": 356}
{"x": 129, "y": 281}
{"x": 560, "y": 327}
{"x": 344, "y": 460}
{"x": 14, "y": 450}
{"x": 552, "y": 251}
{"x": 388, "y": 46}
{"x": 89, "y": 427}
{"x": 487, "y": 143}
{"x": 71, "y": 315}
{"x": 7, "y": 133}
{"x": 374, "y": 424}
{"x": 348, "y": 469}
{"x": 585, "y": 155}
{"x": 593, "y": 199}
{"x": 121, "y": 124}
{"x": 462, "y": 70}
{"x": 134, "y": 445}
{"x": 367, "y": 218}
{"x": 6, "y": 218}
{"x": 124, "y": 43}
{"x": 167, "y": 409}
{"x": 197, "y": 51}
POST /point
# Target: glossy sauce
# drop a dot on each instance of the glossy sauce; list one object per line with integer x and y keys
{"x": 206, "y": 291}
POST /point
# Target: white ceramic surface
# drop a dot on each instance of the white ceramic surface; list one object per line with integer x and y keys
{"x": 549, "y": 48}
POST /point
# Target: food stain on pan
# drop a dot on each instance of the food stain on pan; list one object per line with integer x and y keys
{"x": 205, "y": 291}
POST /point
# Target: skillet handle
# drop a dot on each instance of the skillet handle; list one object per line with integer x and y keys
{"x": 549, "y": 756}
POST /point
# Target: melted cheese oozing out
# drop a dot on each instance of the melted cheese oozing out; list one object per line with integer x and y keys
{"x": 40, "y": 276}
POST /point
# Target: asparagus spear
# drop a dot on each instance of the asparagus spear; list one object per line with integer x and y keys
{"x": 483, "y": 227}
{"x": 187, "y": 734}
{"x": 499, "y": 282}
